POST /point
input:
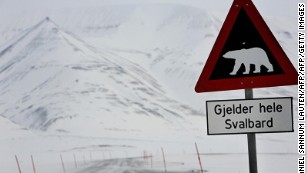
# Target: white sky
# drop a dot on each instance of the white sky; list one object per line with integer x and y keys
{"x": 281, "y": 8}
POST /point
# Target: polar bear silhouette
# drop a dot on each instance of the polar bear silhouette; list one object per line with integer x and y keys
{"x": 256, "y": 56}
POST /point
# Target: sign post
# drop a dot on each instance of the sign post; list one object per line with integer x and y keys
{"x": 250, "y": 116}
{"x": 246, "y": 55}
{"x": 251, "y": 140}
{"x": 252, "y": 152}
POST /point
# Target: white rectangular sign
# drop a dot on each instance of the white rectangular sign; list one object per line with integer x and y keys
{"x": 265, "y": 115}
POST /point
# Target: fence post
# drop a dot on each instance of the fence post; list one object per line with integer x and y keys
{"x": 151, "y": 163}
{"x": 164, "y": 160}
{"x": 103, "y": 156}
{"x": 33, "y": 165}
{"x": 84, "y": 160}
{"x": 199, "y": 161}
{"x": 76, "y": 165}
{"x": 110, "y": 155}
{"x": 91, "y": 157}
{"x": 62, "y": 163}
{"x": 18, "y": 164}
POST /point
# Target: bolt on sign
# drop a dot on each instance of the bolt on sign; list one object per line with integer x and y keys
{"x": 264, "y": 115}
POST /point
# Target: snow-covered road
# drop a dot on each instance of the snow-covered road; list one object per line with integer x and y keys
{"x": 212, "y": 163}
{"x": 129, "y": 165}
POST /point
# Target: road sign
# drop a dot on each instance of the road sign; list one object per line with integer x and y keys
{"x": 250, "y": 116}
{"x": 245, "y": 54}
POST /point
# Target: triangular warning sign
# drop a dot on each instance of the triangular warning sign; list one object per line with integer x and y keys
{"x": 245, "y": 54}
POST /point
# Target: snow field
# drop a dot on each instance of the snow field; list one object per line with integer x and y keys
{"x": 102, "y": 154}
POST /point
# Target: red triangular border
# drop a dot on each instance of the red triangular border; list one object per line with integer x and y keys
{"x": 204, "y": 84}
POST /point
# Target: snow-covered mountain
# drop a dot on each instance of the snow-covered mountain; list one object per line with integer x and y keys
{"x": 124, "y": 58}
{"x": 110, "y": 63}
{"x": 51, "y": 79}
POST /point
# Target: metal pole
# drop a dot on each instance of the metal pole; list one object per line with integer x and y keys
{"x": 33, "y": 165}
{"x": 76, "y": 165}
{"x": 19, "y": 169}
{"x": 62, "y": 163}
{"x": 199, "y": 160}
{"x": 164, "y": 160}
{"x": 251, "y": 139}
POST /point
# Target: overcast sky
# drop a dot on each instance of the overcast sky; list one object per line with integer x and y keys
{"x": 273, "y": 9}
{"x": 268, "y": 7}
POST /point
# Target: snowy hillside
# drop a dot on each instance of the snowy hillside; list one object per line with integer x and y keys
{"x": 50, "y": 79}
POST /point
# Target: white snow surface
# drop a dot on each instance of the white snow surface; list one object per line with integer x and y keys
{"x": 104, "y": 81}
